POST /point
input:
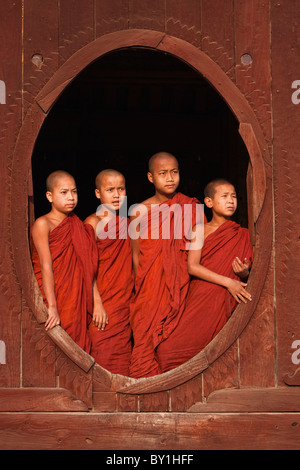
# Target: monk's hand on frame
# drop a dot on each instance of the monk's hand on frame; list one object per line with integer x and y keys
{"x": 53, "y": 318}
{"x": 238, "y": 291}
{"x": 100, "y": 317}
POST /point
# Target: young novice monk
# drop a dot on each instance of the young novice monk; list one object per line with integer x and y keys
{"x": 65, "y": 262}
{"x": 160, "y": 264}
{"x": 220, "y": 270}
{"x": 112, "y": 348}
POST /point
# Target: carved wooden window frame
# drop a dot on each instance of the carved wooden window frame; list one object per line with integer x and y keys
{"x": 258, "y": 187}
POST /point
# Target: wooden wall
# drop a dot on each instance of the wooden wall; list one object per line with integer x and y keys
{"x": 247, "y": 394}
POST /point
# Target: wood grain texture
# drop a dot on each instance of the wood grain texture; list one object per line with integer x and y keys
{"x": 10, "y": 123}
{"x": 148, "y": 431}
{"x": 250, "y": 400}
{"x": 218, "y": 37}
{"x": 286, "y": 117}
{"x": 39, "y": 399}
{"x": 253, "y": 38}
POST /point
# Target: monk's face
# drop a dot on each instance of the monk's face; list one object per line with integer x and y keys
{"x": 165, "y": 175}
{"x": 63, "y": 195}
{"x": 112, "y": 191}
{"x": 224, "y": 201}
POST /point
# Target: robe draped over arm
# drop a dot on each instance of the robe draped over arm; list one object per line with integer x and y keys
{"x": 74, "y": 261}
{"x": 208, "y": 305}
{"x": 111, "y": 348}
{"x": 162, "y": 280}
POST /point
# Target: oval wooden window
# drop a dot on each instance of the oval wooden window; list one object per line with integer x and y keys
{"x": 259, "y": 195}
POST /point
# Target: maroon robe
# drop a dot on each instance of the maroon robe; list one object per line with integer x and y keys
{"x": 74, "y": 260}
{"x": 111, "y": 347}
{"x": 161, "y": 283}
{"x": 208, "y": 305}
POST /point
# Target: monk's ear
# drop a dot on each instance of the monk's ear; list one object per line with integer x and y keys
{"x": 97, "y": 193}
{"x": 208, "y": 201}
{"x": 150, "y": 177}
{"x": 49, "y": 196}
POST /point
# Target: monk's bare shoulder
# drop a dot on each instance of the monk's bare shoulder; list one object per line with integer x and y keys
{"x": 92, "y": 220}
{"x": 208, "y": 229}
{"x": 42, "y": 224}
{"x": 137, "y": 210}
{"x": 148, "y": 203}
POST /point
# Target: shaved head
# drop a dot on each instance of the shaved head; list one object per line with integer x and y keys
{"x": 211, "y": 188}
{"x": 107, "y": 172}
{"x": 159, "y": 156}
{"x": 54, "y": 177}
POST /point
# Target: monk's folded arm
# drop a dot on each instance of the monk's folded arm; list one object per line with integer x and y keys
{"x": 205, "y": 274}
{"x": 201, "y": 272}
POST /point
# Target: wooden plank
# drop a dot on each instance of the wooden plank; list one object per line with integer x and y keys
{"x": 76, "y": 26}
{"x": 41, "y": 41}
{"x": 149, "y": 431}
{"x": 39, "y": 399}
{"x": 184, "y": 23}
{"x": 127, "y": 403}
{"x": 286, "y": 143}
{"x": 253, "y": 65}
{"x": 10, "y": 123}
{"x": 154, "y": 402}
{"x": 71, "y": 377}
{"x": 38, "y": 353}
{"x": 170, "y": 379}
{"x": 218, "y": 36}
{"x": 110, "y": 16}
{"x": 222, "y": 373}
{"x": 104, "y": 402}
{"x": 70, "y": 348}
{"x": 148, "y": 14}
{"x": 257, "y": 344}
{"x": 258, "y": 170}
{"x": 186, "y": 395}
{"x": 250, "y": 400}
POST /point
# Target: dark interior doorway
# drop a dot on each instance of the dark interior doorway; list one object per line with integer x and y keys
{"x": 128, "y": 105}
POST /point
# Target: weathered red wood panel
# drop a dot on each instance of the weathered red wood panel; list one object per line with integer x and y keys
{"x": 40, "y": 47}
{"x": 10, "y": 122}
{"x": 165, "y": 431}
{"x": 110, "y": 16}
{"x": 286, "y": 141}
{"x": 149, "y": 14}
{"x": 76, "y": 26}
{"x": 253, "y": 78}
{"x": 253, "y": 67}
{"x": 40, "y": 52}
{"x": 218, "y": 38}
{"x": 184, "y": 22}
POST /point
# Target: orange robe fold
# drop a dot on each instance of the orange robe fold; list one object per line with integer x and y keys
{"x": 75, "y": 260}
{"x": 111, "y": 348}
{"x": 162, "y": 280}
{"x": 208, "y": 305}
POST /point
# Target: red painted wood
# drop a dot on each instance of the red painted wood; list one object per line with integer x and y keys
{"x": 10, "y": 123}
{"x": 218, "y": 37}
{"x": 286, "y": 118}
{"x": 76, "y": 26}
{"x": 110, "y": 16}
{"x": 148, "y": 431}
